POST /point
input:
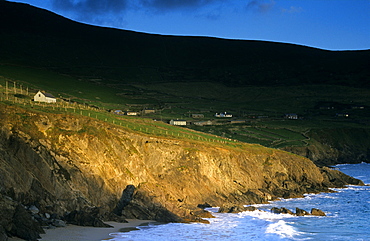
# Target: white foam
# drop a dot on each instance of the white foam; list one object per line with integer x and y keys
{"x": 276, "y": 223}
{"x": 269, "y": 216}
{"x": 118, "y": 235}
{"x": 282, "y": 229}
{"x": 339, "y": 224}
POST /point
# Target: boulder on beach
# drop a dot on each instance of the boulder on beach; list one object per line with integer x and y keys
{"x": 85, "y": 218}
{"x": 24, "y": 226}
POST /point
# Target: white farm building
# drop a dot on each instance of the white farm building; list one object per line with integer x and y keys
{"x": 178, "y": 122}
{"x": 42, "y": 96}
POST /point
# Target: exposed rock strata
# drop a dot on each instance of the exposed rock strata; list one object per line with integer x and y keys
{"x": 63, "y": 164}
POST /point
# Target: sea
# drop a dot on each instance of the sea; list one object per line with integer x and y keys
{"x": 347, "y": 218}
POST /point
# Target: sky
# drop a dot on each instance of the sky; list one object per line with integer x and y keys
{"x": 324, "y": 24}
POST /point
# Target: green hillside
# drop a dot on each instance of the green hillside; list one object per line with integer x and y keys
{"x": 257, "y": 82}
{"x": 38, "y": 38}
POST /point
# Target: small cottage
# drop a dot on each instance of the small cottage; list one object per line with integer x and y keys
{"x": 148, "y": 111}
{"x": 132, "y": 113}
{"x": 178, "y": 122}
{"x": 224, "y": 114}
{"x": 42, "y": 96}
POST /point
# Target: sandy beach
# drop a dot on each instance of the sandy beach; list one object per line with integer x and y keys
{"x": 79, "y": 233}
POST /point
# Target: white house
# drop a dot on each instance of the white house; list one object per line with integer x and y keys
{"x": 223, "y": 115}
{"x": 42, "y": 96}
{"x": 132, "y": 113}
{"x": 178, "y": 122}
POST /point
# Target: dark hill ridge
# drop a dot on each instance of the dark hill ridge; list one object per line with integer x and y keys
{"x": 60, "y": 163}
{"x": 119, "y": 69}
{"x": 39, "y": 38}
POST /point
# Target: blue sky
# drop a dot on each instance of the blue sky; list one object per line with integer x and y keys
{"x": 325, "y": 24}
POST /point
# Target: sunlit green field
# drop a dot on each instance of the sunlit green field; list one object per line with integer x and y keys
{"x": 262, "y": 109}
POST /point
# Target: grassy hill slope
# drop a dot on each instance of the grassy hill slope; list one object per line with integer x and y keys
{"x": 258, "y": 82}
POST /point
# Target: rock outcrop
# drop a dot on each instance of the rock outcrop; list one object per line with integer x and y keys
{"x": 281, "y": 210}
{"x": 227, "y": 208}
{"x": 330, "y": 146}
{"x": 67, "y": 164}
{"x": 317, "y": 212}
{"x": 298, "y": 211}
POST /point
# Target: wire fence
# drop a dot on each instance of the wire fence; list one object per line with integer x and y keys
{"x": 17, "y": 94}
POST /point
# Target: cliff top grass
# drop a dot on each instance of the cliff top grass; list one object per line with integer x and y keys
{"x": 21, "y": 114}
{"x": 273, "y": 131}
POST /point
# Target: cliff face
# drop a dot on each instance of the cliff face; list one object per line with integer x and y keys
{"x": 63, "y": 163}
{"x": 335, "y": 146}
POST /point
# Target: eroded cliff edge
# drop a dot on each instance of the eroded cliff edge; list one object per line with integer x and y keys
{"x": 331, "y": 146}
{"x": 62, "y": 164}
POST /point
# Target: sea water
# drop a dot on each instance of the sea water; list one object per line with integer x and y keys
{"x": 347, "y": 210}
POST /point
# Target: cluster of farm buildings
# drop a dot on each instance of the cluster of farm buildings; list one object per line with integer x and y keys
{"x": 42, "y": 96}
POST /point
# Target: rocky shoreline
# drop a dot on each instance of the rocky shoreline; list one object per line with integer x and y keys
{"x": 28, "y": 223}
{"x": 276, "y": 210}
{"x": 58, "y": 170}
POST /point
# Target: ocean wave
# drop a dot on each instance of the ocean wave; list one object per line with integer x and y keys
{"x": 347, "y": 211}
{"x": 282, "y": 229}
{"x": 265, "y": 215}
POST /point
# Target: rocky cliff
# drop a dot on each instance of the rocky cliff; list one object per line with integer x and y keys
{"x": 62, "y": 165}
{"x": 330, "y": 146}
